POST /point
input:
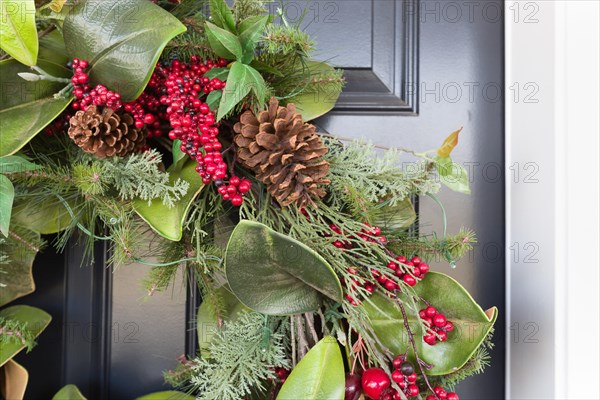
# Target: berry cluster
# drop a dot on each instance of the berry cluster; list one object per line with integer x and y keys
{"x": 174, "y": 95}
{"x": 441, "y": 394}
{"x": 85, "y": 96}
{"x": 439, "y": 326}
{"x": 417, "y": 270}
{"x": 282, "y": 374}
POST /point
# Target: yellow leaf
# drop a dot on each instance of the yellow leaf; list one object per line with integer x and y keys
{"x": 449, "y": 144}
{"x": 15, "y": 379}
{"x": 57, "y": 5}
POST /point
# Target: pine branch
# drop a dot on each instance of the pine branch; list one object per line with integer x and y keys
{"x": 12, "y": 331}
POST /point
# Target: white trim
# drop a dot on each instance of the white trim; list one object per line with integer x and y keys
{"x": 559, "y": 214}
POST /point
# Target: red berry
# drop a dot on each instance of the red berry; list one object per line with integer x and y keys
{"x": 397, "y": 362}
{"x": 415, "y": 260}
{"x": 430, "y": 311}
{"x": 139, "y": 124}
{"x": 148, "y": 119}
{"x": 390, "y": 285}
{"x": 424, "y": 268}
{"x": 237, "y": 200}
{"x": 413, "y": 390}
{"x": 397, "y": 376}
{"x": 442, "y": 336}
{"x": 392, "y": 265}
{"x": 449, "y": 327}
{"x": 439, "y": 320}
{"x": 374, "y": 382}
{"x": 409, "y": 280}
{"x": 422, "y": 314}
{"x": 234, "y": 180}
{"x": 440, "y": 392}
{"x": 353, "y": 387}
{"x": 401, "y": 259}
{"x": 452, "y": 396}
{"x": 412, "y": 377}
{"x": 430, "y": 339}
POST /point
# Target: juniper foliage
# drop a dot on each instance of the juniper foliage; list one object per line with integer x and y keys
{"x": 13, "y": 331}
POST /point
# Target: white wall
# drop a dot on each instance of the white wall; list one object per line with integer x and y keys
{"x": 552, "y": 204}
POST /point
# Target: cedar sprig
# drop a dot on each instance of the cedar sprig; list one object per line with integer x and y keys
{"x": 16, "y": 332}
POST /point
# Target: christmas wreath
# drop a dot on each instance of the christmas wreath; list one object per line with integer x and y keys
{"x": 185, "y": 122}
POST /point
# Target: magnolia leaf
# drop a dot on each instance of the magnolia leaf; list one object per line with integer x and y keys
{"x": 18, "y": 32}
{"x": 237, "y": 87}
{"x": 14, "y": 378}
{"x": 16, "y": 164}
{"x": 318, "y": 376}
{"x": 37, "y": 320}
{"x": 27, "y": 107}
{"x": 18, "y": 278}
{"x": 472, "y": 324}
{"x": 69, "y": 392}
{"x": 220, "y": 73}
{"x": 167, "y": 395}
{"x": 399, "y": 216}
{"x": 212, "y": 315}
{"x": 222, "y": 16}
{"x": 316, "y": 103}
{"x": 449, "y": 144}
{"x": 121, "y": 39}
{"x": 453, "y": 175}
{"x": 250, "y": 32}
{"x": 224, "y": 43}
{"x": 52, "y": 48}
{"x": 47, "y": 218}
{"x": 276, "y": 275}
{"x": 7, "y": 195}
{"x": 168, "y": 222}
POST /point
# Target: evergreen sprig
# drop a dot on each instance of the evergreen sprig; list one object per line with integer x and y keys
{"x": 12, "y": 331}
{"x": 243, "y": 354}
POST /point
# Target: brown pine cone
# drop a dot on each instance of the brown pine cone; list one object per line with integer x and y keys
{"x": 284, "y": 152}
{"x": 106, "y": 133}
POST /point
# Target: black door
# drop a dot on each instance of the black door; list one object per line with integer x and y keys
{"x": 416, "y": 71}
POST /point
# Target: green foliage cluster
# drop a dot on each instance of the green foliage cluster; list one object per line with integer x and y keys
{"x": 242, "y": 356}
{"x": 12, "y": 331}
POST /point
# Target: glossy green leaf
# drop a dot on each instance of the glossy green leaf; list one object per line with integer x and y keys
{"x": 315, "y": 104}
{"x": 224, "y": 43}
{"x": 37, "y": 320}
{"x": 256, "y": 82}
{"x": 27, "y": 107}
{"x": 399, "y": 216}
{"x": 213, "y": 99}
{"x": 52, "y": 48}
{"x": 18, "y": 277}
{"x": 237, "y": 87}
{"x": 14, "y": 380}
{"x": 211, "y": 316}
{"x": 7, "y": 195}
{"x": 222, "y": 16}
{"x": 274, "y": 274}
{"x": 15, "y": 164}
{"x": 453, "y": 175}
{"x": 18, "y": 32}
{"x": 220, "y": 73}
{"x": 167, "y": 395}
{"x": 471, "y": 323}
{"x": 250, "y": 32}
{"x": 318, "y": 376}
{"x": 47, "y": 218}
{"x": 168, "y": 222}
{"x": 69, "y": 392}
{"x": 178, "y": 155}
{"x": 121, "y": 39}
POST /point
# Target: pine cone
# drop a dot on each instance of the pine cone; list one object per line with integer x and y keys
{"x": 284, "y": 152}
{"x": 106, "y": 133}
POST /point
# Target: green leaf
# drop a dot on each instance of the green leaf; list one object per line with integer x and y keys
{"x": 251, "y": 30}
{"x": 167, "y": 395}
{"x": 222, "y": 15}
{"x": 69, "y": 392}
{"x": 318, "y": 376}
{"x": 237, "y": 87}
{"x": 18, "y": 32}
{"x": 15, "y": 164}
{"x": 52, "y": 48}
{"x": 178, "y": 155}
{"x": 18, "y": 278}
{"x": 257, "y": 82}
{"x": 471, "y": 323}
{"x": 314, "y": 104}
{"x": 121, "y": 39}
{"x": 168, "y": 222}
{"x": 400, "y": 216}
{"x": 453, "y": 175}
{"x": 276, "y": 275}
{"x": 7, "y": 195}
{"x": 47, "y": 218}
{"x": 213, "y": 99}
{"x": 27, "y": 107}
{"x": 211, "y": 316}
{"x": 220, "y": 73}
{"x": 37, "y": 320}
{"x": 224, "y": 43}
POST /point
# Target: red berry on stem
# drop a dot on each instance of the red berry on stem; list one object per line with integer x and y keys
{"x": 415, "y": 260}
{"x": 374, "y": 382}
{"x": 439, "y": 320}
{"x": 397, "y": 376}
{"x": 424, "y": 268}
{"x": 397, "y": 362}
{"x": 353, "y": 387}
{"x": 412, "y": 377}
{"x": 409, "y": 280}
{"x": 452, "y": 396}
{"x": 430, "y": 311}
{"x": 413, "y": 390}
{"x": 449, "y": 327}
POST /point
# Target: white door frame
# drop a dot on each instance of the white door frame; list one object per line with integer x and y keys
{"x": 552, "y": 201}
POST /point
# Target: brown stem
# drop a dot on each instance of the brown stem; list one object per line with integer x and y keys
{"x": 46, "y": 31}
{"x": 311, "y": 326}
{"x": 31, "y": 246}
{"x": 411, "y": 338}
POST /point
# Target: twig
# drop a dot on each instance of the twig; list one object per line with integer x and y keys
{"x": 311, "y": 326}
{"x": 25, "y": 242}
{"x": 293, "y": 339}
